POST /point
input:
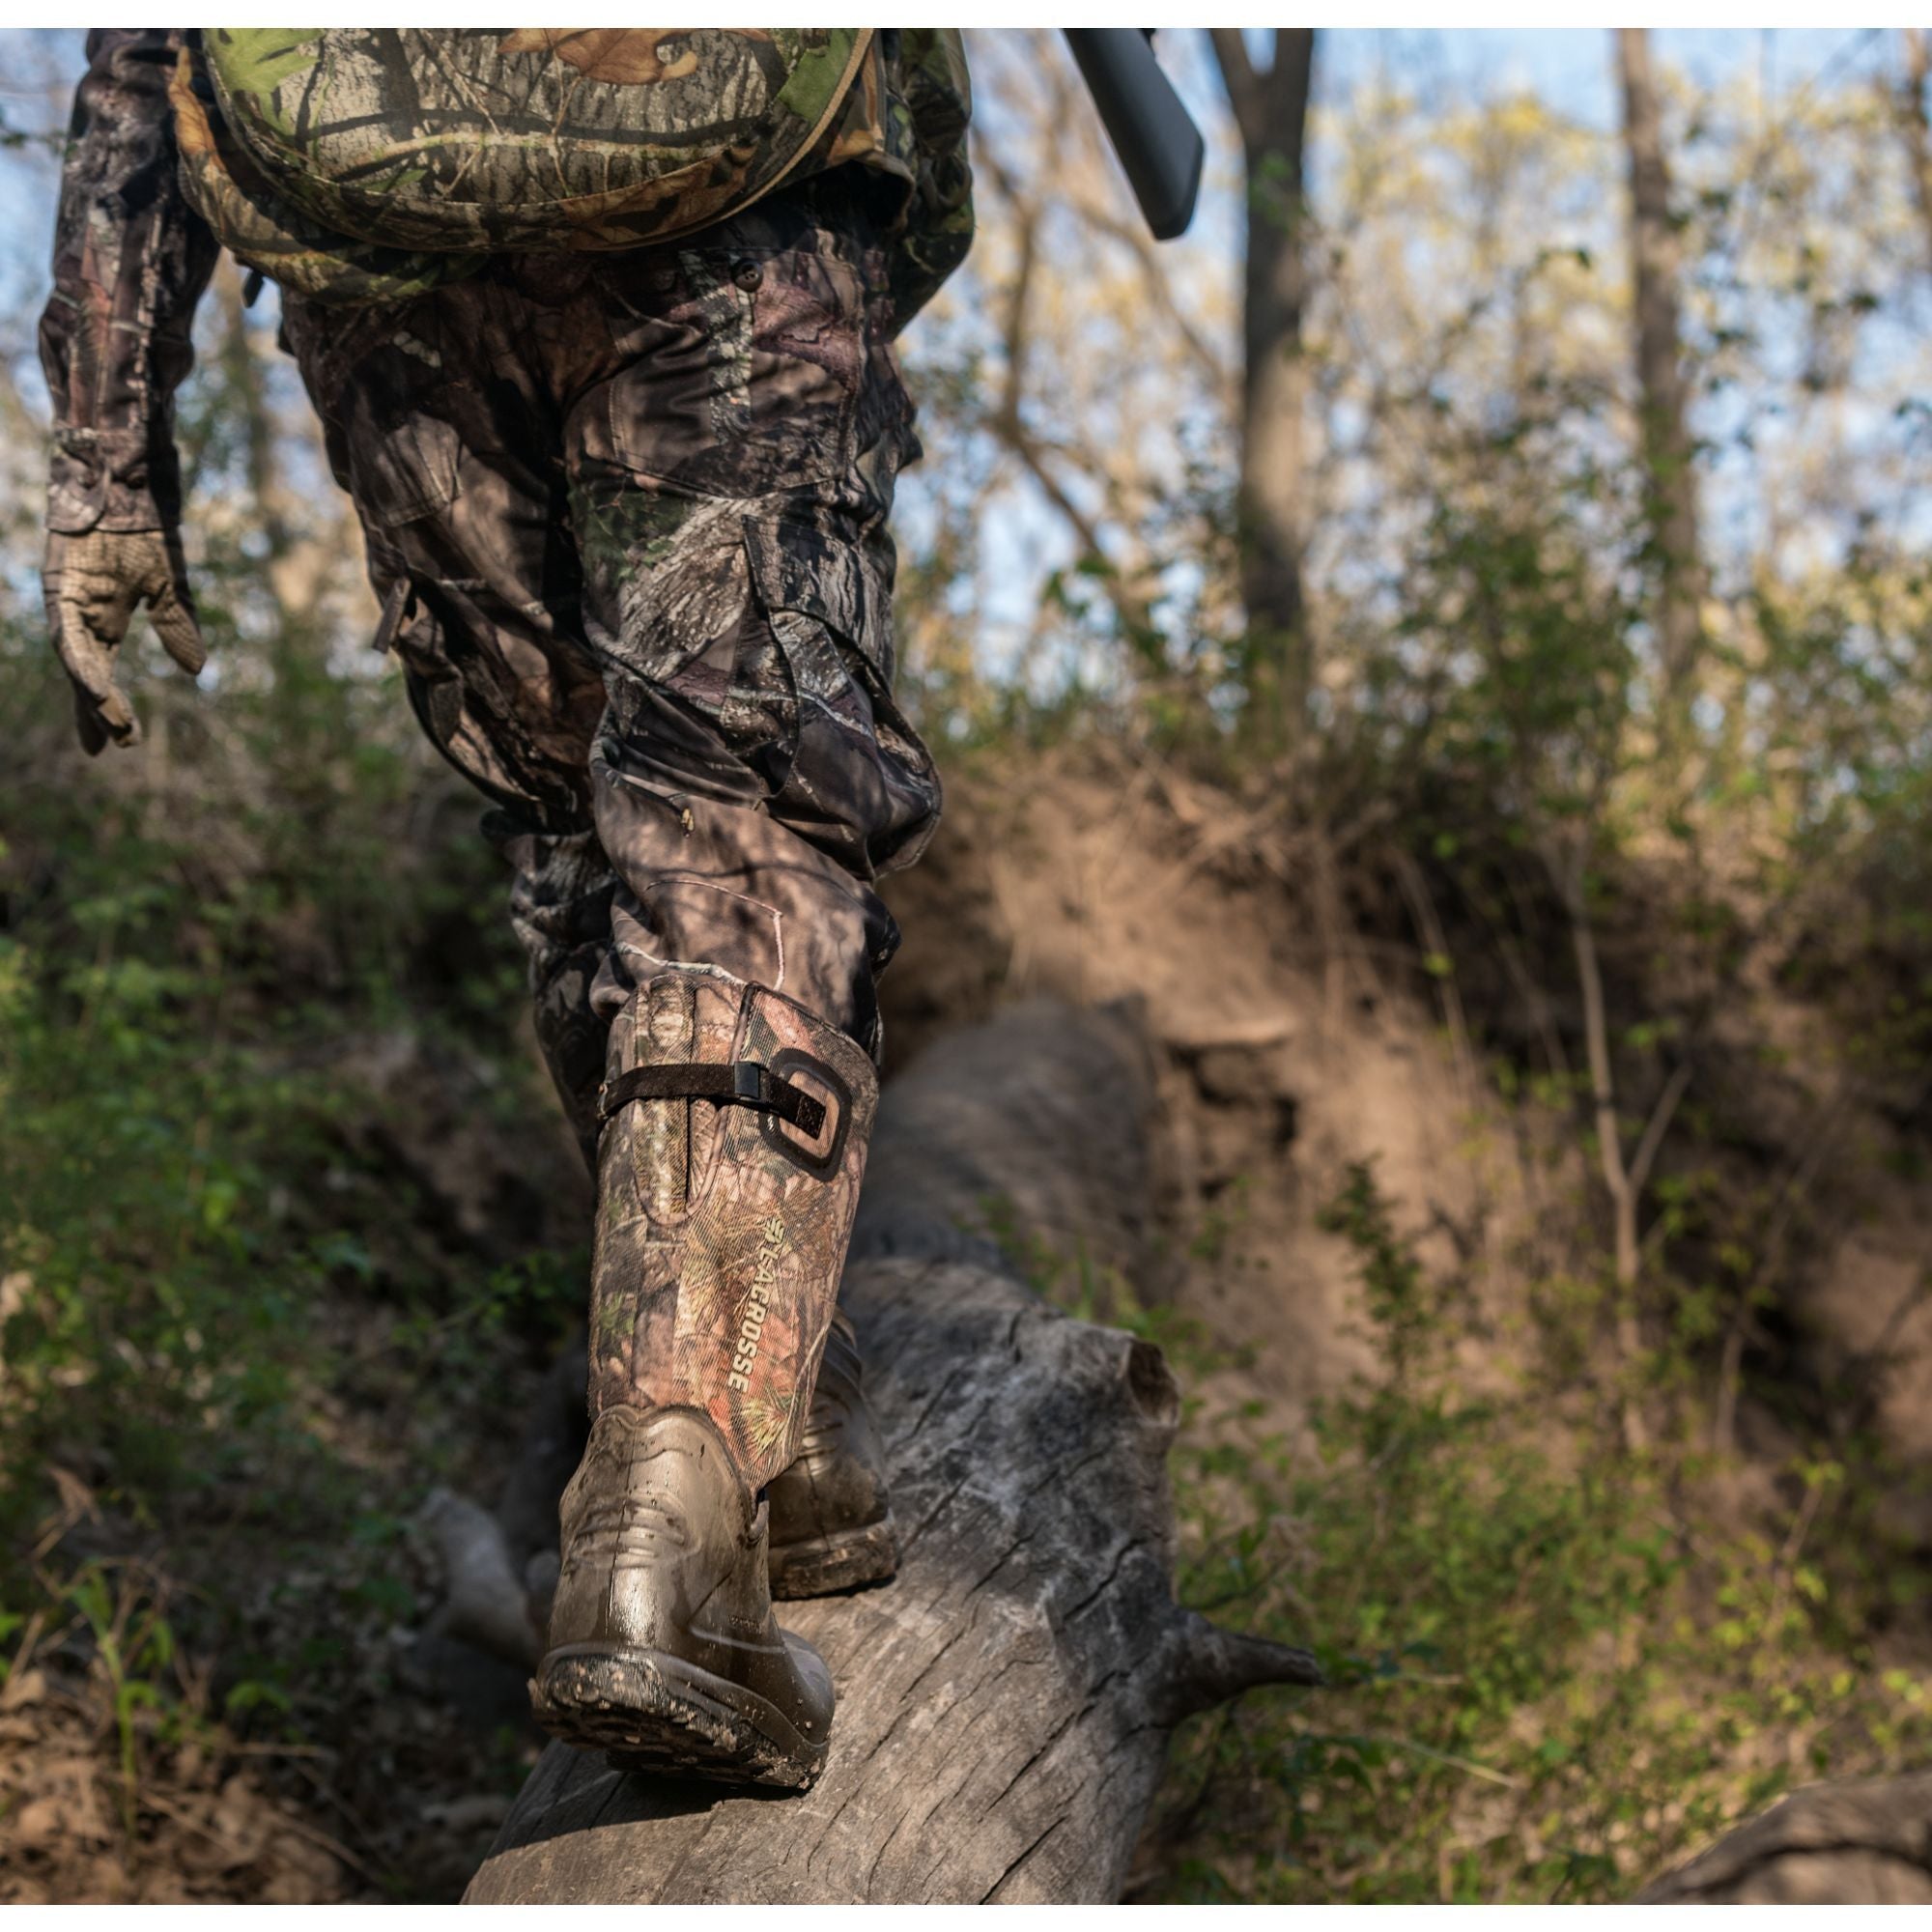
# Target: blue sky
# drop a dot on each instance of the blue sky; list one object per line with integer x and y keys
{"x": 1570, "y": 68}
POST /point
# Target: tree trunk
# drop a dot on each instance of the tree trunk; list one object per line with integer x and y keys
{"x": 1657, "y": 264}
{"x": 1272, "y": 111}
{"x": 1005, "y": 1702}
{"x": 1915, "y": 123}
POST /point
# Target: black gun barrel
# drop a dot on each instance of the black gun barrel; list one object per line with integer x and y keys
{"x": 1153, "y": 132}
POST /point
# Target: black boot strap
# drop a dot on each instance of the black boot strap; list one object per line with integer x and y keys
{"x": 729, "y": 1083}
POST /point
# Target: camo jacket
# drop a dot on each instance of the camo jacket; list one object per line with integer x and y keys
{"x": 133, "y": 256}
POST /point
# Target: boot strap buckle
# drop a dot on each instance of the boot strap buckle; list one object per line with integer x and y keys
{"x": 735, "y": 1083}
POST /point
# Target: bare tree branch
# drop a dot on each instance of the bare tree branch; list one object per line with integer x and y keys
{"x": 1237, "y": 76}
{"x": 1007, "y": 420}
{"x": 1659, "y": 1125}
{"x": 1913, "y": 123}
{"x": 1617, "y": 1182}
{"x": 1159, "y": 280}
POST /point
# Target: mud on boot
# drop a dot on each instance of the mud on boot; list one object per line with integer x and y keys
{"x": 663, "y": 1651}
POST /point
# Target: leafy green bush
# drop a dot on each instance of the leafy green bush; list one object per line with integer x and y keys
{"x": 204, "y": 1253}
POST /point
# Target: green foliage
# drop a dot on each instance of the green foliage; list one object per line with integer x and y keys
{"x": 174, "y": 1131}
{"x": 232, "y": 1330}
{"x": 150, "y": 1300}
{"x": 133, "y": 1649}
{"x": 1558, "y": 1665}
{"x": 215, "y": 1267}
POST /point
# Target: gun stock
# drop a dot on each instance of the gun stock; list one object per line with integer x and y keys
{"x": 1151, "y": 131}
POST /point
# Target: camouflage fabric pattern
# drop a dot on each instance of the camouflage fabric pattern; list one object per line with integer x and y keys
{"x": 92, "y": 586}
{"x": 627, "y": 519}
{"x": 359, "y": 164}
{"x": 908, "y": 116}
{"x": 269, "y": 231}
{"x": 532, "y": 139}
{"x": 719, "y": 1249}
{"x": 718, "y": 884}
{"x": 729, "y": 886}
{"x": 130, "y": 261}
{"x": 560, "y": 906}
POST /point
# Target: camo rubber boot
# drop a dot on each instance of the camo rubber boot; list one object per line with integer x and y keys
{"x": 734, "y": 1143}
{"x": 832, "y": 1521}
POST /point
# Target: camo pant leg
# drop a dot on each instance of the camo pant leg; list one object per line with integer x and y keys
{"x": 442, "y": 426}
{"x": 560, "y": 910}
{"x": 729, "y": 484}
{"x": 626, "y": 519}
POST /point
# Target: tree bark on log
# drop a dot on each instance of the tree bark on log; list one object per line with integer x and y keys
{"x": 1005, "y": 1702}
{"x": 1855, "y": 1842}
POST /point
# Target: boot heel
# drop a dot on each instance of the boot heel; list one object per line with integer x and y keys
{"x": 823, "y": 1566}
{"x": 663, "y": 1647}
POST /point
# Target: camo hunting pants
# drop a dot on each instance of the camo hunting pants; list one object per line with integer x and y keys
{"x": 626, "y": 515}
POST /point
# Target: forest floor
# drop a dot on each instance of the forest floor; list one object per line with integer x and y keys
{"x": 247, "y": 1697}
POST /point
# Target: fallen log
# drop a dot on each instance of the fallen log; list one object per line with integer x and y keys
{"x": 1004, "y": 1704}
{"x": 1864, "y": 1841}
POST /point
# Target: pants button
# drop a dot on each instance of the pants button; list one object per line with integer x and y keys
{"x": 748, "y": 275}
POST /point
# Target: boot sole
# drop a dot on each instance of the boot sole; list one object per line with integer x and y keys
{"x": 650, "y": 1712}
{"x": 821, "y": 1566}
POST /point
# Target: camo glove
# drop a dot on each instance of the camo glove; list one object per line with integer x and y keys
{"x": 92, "y": 584}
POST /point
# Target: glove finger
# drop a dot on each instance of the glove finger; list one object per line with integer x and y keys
{"x": 173, "y": 618}
{"x": 91, "y": 723}
{"x": 84, "y": 646}
{"x": 85, "y": 636}
{"x": 102, "y": 713}
{"x": 87, "y": 724}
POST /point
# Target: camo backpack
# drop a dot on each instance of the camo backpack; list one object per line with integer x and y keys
{"x": 355, "y": 162}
